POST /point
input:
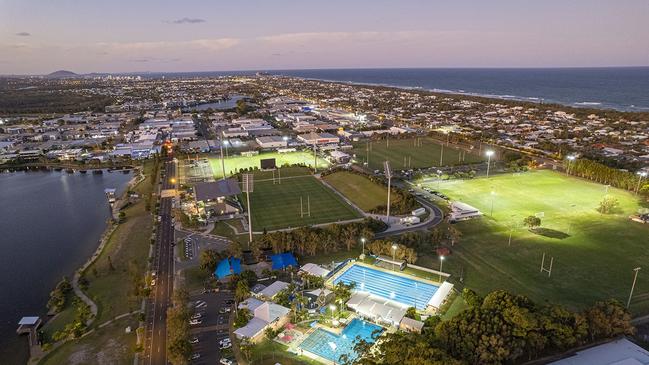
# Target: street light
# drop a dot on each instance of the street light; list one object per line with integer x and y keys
{"x": 641, "y": 175}
{"x": 571, "y": 158}
{"x": 363, "y": 242}
{"x": 394, "y": 254}
{"x": 441, "y": 263}
{"x": 489, "y": 154}
{"x": 632, "y": 286}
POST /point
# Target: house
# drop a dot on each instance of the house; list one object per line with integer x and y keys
{"x": 273, "y": 289}
{"x": 339, "y": 157}
{"x": 265, "y": 315}
{"x": 411, "y": 325}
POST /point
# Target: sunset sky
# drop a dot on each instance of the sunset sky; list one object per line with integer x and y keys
{"x": 126, "y": 36}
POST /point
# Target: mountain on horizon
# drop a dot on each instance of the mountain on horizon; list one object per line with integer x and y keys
{"x": 61, "y": 74}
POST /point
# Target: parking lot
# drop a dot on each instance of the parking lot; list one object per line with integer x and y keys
{"x": 192, "y": 245}
{"x": 210, "y": 327}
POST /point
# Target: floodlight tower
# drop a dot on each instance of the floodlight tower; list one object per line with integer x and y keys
{"x": 489, "y": 154}
{"x": 247, "y": 181}
{"x": 635, "y": 276}
{"x": 571, "y": 158}
{"x": 641, "y": 175}
{"x": 222, "y": 157}
{"x": 388, "y": 174}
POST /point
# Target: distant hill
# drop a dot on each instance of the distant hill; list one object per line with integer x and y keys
{"x": 61, "y": 74}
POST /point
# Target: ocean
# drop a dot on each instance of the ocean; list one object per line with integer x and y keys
{"x": 624, "y": 88}
{"x": 619, "y": 88}
{"x": 50, "y": 224}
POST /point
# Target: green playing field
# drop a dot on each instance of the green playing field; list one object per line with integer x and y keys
{"x": 287, "y": 203}
{"x": 410, "y": 153}
{"x": 234, "y": 163}
{"x": 594, "y": 254}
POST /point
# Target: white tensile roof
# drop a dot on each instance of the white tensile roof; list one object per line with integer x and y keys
{"x": 440, "y": 295}
{"x": 274, "y": 288}
{"x": 313, "y": 269}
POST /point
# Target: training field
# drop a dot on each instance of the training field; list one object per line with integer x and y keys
{"x": 276, "y": 206}
{"x": 235, "y": 163}
{"x": 409, "y": 154}
{"x": 594, "y": 254}
{"x": 359, "y": 189}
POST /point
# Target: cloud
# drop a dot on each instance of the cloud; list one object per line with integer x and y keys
{"x": 154, "y": 59}
{"x": 23, "y": 34}
{"x": 186, "y": 20}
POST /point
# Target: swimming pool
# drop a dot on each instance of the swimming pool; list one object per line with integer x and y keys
{"x": 401, "y": 289}
{"x": 331, "y": 346}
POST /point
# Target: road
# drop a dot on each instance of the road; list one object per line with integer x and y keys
{"x": 437, "y": 219}
{"x": 156, "y": 320}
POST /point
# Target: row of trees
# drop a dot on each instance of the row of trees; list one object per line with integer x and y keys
{"x": 77, "y": 327}
{"x": 309, "y": 241}
{"x": 401, "y": 252}
{"x": 178, "y": 347}
{"x": 500, "y": 328}
{"x": 603, "y": 174}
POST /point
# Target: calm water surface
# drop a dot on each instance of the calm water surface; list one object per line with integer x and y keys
{"x": 50, "y": 223}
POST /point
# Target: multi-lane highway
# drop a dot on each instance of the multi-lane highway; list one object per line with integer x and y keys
{"x": 163, "y": 266}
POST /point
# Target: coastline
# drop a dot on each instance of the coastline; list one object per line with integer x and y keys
{"x": 37, "y": 353}
{"x": 599, "y": 105}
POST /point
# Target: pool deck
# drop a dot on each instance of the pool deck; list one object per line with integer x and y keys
{"x": 330, "y": 282}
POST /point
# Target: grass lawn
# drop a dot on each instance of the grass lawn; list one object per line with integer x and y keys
{"x": 107, "y": 345}
{"x": 222, "y": 228}
{"x": 128, "y": 248}
{"x": 594, "y": 254}
{"x": 270, "y": 353}
{"x": 418, "y": 153}
{"x": 366, "y": 194}
{"x": 58, "y": 322}
{"x": 194, "y": 278}
{"x": 276, "y": 206}
{"x": 235, "y": 163}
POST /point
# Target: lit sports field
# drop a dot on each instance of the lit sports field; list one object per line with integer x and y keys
{"x": 594, "y": 254}
{"x": 410, "y": 153}
{"x": 359, "y": 189}
{"x": 235, "y": 163}
{"x": 276, "y": 206}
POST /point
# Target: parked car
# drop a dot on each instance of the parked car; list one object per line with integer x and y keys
{"x": 193, "y": 340}
{"x": 225, "y": 361}
{"x": 194, "y": 322}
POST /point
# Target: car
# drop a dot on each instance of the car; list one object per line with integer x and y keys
{"x": 226, "y": 345}
{"x": 194, "y": 340}
{"x": 225, "y": 361}
{"x": 196, "y": 316}
{"x": 229, "y": 302}
{"x": 194, "y": 322}
{"x": 225, "y": 341}
{"x": 196, "y": 356}
{"x": 152, "y": 282}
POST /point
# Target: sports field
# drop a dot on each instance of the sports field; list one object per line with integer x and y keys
{"x": 277, "y": 205}
{"x": 410, "y": 154}
{"x": 234, "y": 163}
{"x": 359, "y": 189}
{"x": 594, "y": 254}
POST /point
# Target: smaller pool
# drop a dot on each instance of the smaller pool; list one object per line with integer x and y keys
{"x": 331, "y": 346}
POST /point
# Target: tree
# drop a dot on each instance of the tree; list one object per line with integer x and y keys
{"x": 242, "y": 317}
{"x": 454, "y": 234}
{"x": 241, "y": 291}
{"x": 234, "y": 249}
{"x": 209, "y": 259}
{"x": 411, "y": 312}
{"x": 532, "y": 221}
{"x": 471, "y": 298}
{"x": 608, "y": 205}
{"x": 608, "y": 319}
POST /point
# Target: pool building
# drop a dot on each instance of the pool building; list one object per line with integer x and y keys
{"x": 384, "y": 296}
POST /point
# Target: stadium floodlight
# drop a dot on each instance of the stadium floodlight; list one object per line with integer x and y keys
{"x": 394, "y": 254}
{"x": 388, "y": 174}
{"x": 641, "y": 175}
{"x": 441, "y": 263}
{"x": 363, "y": 242}
{"x": 635, "y": 276}
{"x": 571, "y": 159}
{"x": 489, "y": 154}
{"x": 247, "y": 180}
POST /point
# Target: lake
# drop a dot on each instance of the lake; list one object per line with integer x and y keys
{"x": 50, "y": 224}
